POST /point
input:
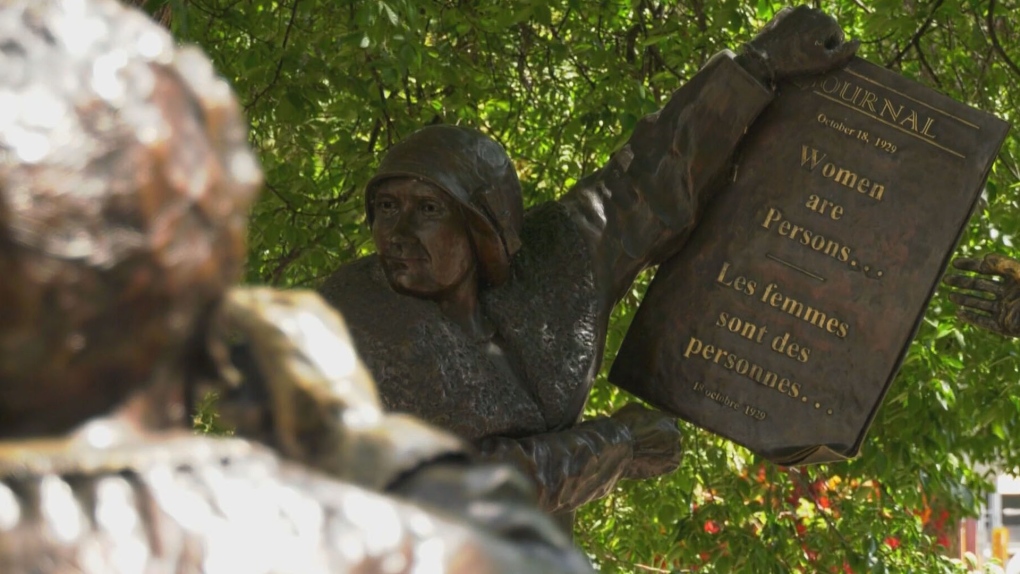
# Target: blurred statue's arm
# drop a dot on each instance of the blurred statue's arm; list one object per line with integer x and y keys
{"x": 583, "y": 463}
{"x": 321, "y": 403}
{"x": 324, "y": 412}
{"x": 989, "y": 300}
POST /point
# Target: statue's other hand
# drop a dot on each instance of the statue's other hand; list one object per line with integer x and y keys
{"x": 656, "y": 440}
{"x": 324, "y": 408}
{"x": 802, "y": 41}
{"x": 301, "y": 347}
{"x": 991, "y": 302}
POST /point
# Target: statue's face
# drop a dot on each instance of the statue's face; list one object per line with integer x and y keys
{"x": 422, "y": 237}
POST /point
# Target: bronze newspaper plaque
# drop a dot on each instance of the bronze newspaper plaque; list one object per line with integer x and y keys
{"x": 784, "y": 320}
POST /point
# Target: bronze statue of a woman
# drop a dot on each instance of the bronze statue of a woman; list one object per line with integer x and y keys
{"x": 491, "y": 322}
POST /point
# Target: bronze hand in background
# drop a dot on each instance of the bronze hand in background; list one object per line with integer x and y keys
{"x": 989, "y": 300}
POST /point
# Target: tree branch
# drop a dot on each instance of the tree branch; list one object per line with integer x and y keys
{"x": 654, "y": 51}
{"x": 862, "y": 6}
{"x": 917, "y": 35}
{"x": 283, "y": 263}
{"x": 383, "y": 103}
{"x": 995, "y": 39}
{"x": 374, "y": 135}
{"x": 279, "y": 64}
{"x": 925, "y": 65}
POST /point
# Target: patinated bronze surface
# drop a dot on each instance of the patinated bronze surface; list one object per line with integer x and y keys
{"x": 87, "y": 229}
{"x": 991, "y": 299}
{"x": 124, "y": 184}
{"x": 783, "y": 322}
{"x": 503, "y": 347}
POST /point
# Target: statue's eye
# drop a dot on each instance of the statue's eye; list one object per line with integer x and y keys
{"x": 385, "y": 205}
{"x": 430, "y": 207}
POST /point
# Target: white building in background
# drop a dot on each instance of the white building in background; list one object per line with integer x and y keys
{"x": 1001, "y": 511}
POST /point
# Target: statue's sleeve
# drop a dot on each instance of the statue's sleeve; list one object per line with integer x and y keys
{"x": 639, "y": 208}
{"x": 569, "y": 467}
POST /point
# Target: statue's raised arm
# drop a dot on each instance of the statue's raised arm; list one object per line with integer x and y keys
{"x": 639, "y": 208}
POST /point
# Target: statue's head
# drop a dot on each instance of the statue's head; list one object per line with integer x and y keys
{"x": 125, "y": 180}
{"x": 445, "y": 201}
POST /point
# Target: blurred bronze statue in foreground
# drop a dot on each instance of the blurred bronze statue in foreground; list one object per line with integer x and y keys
{"x": 125, "y": 179}
{"x": 989, "y": 300}
{"x": 491, "y": 322}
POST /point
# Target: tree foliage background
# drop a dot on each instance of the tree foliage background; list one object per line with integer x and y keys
{"x": 328, "y": 85}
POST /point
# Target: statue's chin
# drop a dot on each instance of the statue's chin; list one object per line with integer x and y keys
{"x": 403, "y": 282}
{"x": 417, "y": 279}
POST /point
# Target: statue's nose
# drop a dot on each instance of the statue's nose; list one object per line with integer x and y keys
{"x": 403, "y": 228}
{"x": 403, "y": 234}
